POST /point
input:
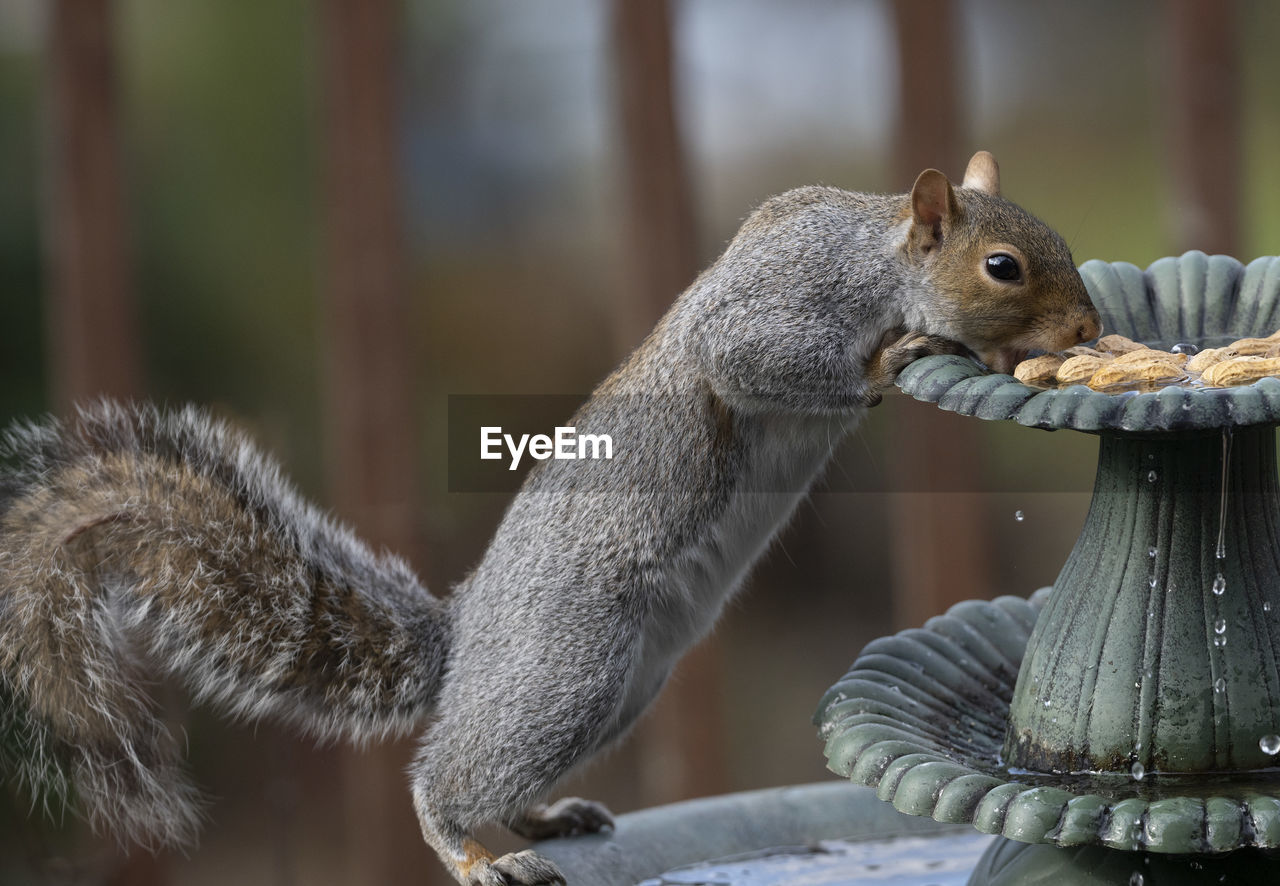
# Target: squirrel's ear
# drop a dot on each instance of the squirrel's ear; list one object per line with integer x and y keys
{"x": 932, "y": 203}
{"x": 982, "y": 174}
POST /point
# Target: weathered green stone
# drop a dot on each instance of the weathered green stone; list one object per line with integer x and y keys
{"x": 1177, "y": 821}
{"x": 1124, "y": 829}
{"x": 1222, "y": 823}
{"x": 1081, "y": 821}
{"x": 1262, "y": 818}
{"x": 1123, "y": 664}
{"x": 918, "y": 789}
{"x": 958, "y": 799}
{"x": 1034, "y": 813}
{"x": 990, "y": 814}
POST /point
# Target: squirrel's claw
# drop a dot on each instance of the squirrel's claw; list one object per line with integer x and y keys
{"x": 897, "y": 351}
{"x": 525, "y": 868}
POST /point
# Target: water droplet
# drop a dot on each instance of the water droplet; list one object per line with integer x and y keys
{"x": 1019, "y": 516}
{"x": 1270, "y": 744}
{"x": 1153, "y": 581}
{"x": 1151, "y": 552}
{"x": 1220, "y": 626}
{"x": 1187, "y": 348}
{"x": 1219, "y": 641}
{"x": 1135, "y": 879}
{"x": 1139, "y": 771}
{"x": 1219, "y": 585}
{"x": 1152, "y": 476}
{"x": 1221, "y": 550}
{"x": 1047, "y": 703}
{"x": 1149, "y": 673}
{"x": 1266, "y": 605}
{"x": 1220, "y": 685}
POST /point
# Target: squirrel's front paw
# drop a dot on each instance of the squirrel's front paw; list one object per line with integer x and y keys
{"x": 898, "y": 350}
{"x": 515, "y": 869}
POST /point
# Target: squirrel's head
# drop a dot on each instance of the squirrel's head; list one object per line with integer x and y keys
{"x": 1006, "y": 281}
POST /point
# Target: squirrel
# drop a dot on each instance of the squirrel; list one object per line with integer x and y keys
{"x": 135, "y": 540}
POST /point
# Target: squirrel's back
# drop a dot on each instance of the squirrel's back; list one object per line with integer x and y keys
{"x": 129, "y": 535}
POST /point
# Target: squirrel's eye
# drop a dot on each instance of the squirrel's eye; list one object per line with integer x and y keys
{"x": 1003, "y": 266}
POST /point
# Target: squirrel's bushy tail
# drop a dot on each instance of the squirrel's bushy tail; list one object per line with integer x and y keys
{"x": 133, "y": 539}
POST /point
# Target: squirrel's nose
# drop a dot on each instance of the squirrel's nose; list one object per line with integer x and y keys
{"x": 1091, "y": 327}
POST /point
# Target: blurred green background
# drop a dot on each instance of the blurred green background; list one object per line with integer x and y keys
{"x": 510, "y": 158}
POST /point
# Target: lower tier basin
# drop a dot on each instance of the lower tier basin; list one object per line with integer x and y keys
{"x": 835, "y": 834}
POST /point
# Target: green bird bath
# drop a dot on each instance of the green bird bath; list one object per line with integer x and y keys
{"x": 1135, "y": 705}
{"x": 1121, "y": 727}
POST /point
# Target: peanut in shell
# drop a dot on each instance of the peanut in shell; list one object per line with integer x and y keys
{"x": 1240, "y": 371}
{"x": 1208, "y": 357}
{"x": 1078, "y": 370}
{"x": 1145, "y": 355}
{"x": 1137, "y": 370}
{"x": 1252, "y": 347}
{"x": 1118, "y": 344}
{"x": 1084, "y": 350}
{"x": 1117, "y": 361}
{"x": 1039, "y": 369}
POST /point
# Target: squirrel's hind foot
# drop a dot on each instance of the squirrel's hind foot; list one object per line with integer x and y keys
{"x": 525, "y": 868}
{"x": 568, "y": 817}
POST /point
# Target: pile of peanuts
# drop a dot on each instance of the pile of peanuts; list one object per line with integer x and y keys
{"x": 1117, "y": 361}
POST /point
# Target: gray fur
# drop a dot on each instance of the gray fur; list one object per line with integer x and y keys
{"x": 116, "y": 562}
{"x": 136, "y": 539}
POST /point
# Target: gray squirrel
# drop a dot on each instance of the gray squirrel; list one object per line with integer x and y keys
{"x": 135, "y": 541}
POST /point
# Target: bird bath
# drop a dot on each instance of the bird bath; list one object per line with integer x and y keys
{"x": 1136, "y": 704}
{"x": 1117, "y": 728}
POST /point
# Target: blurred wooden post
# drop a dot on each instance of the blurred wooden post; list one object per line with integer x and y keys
{"x": 91, "y": 319}
{"x": 940, "y": 543}
{"x": 1203, "y": 79}
{"x": 662, "y": 254}
{"x": 91, "y": 315}
{"x": 929, "y": 131}
{"x": 683, "y": 741}
{"x": 370, "y": 407}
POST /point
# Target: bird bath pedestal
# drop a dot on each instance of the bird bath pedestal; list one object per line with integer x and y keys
{"x": 1136, "y": 704}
